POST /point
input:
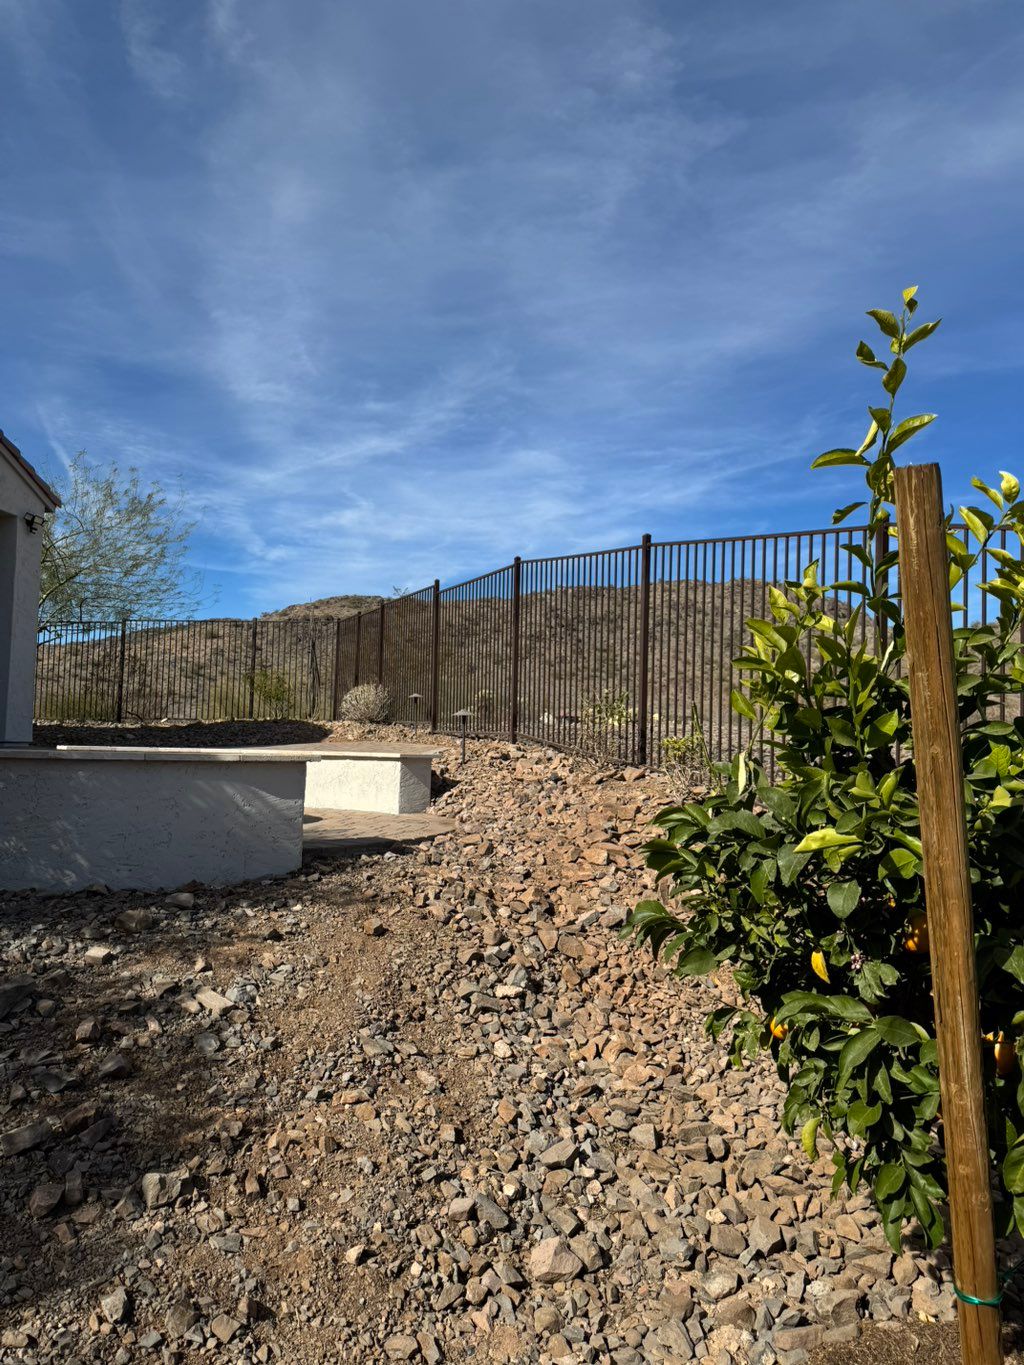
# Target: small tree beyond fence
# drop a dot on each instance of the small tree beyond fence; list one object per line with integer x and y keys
{"x": 610, "y": 652}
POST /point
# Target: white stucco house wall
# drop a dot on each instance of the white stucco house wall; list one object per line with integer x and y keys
{"x": 24, "y": 501}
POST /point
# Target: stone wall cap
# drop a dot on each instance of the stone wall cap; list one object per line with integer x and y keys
{"x": 325, "y": 751}
{"x": 128, "y": 753}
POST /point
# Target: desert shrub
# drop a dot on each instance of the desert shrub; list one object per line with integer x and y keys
{"x": 484, "y": 709}
{"x": 810, "y": 886}
{"x": 609, "y": 709}
{"x": 272, "y": 694}
{"x": 368, "y": 702}
{"x": 686, "y": 759}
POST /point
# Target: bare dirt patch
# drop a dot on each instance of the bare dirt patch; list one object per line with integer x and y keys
{"x": 416, "y": 1105}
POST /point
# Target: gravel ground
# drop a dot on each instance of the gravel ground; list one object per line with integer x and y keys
{"x": 419, "y": 1105}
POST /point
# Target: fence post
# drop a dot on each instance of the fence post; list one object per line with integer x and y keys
{"x": 119, "y": 713}
{"x": 380, "y": 644}
{"x": 337, "y": 670}
{"x": 881, "y": 583}
{"x": 938, "y": 759}
{"x": 645, "y": 649}
{"x": 517, "y": 573}
{"x": 253, "y": 644}
{"x": 435, "y": 656}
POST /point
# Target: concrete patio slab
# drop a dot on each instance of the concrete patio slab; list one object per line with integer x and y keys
{"x": 335, "y": 831}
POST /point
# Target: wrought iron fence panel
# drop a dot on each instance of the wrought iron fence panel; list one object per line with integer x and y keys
{"x": 610, "y": 652}
{"x": 474, "y": 654}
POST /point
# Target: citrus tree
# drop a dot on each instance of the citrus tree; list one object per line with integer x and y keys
{"x": 808, "y": 883}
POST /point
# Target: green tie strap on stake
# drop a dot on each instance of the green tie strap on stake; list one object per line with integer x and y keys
{"x": 1004, "y": 1280}
{"x": 979, "y": 1303}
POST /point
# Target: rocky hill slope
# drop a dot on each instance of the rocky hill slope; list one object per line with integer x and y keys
{"x": 335, "y": 607}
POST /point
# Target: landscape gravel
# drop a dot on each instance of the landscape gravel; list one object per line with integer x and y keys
{"x": 414, "y": 1105}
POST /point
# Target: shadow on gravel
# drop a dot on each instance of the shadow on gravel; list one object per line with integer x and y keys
{"x": 220, "y": 734}
{"x": 440, "y": 783}
{"x": 931, "y": 1342}
{"x": 104, "y": 1081}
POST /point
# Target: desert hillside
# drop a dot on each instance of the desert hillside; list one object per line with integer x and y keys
{"x": 337, "y": 608}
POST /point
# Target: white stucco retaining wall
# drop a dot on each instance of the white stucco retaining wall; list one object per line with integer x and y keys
{"x": 20, "y": 551}
{"x": 150, "y": 819}
{"x": 372, "y": 780}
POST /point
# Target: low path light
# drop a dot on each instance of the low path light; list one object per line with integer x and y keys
{"x": 415, "y": 698}
{"x": 463, "y": 718}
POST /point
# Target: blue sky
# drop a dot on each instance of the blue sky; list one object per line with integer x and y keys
{"x": 403, "y": 288}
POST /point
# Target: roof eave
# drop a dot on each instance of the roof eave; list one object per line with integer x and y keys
{"x": 39, "y": 485}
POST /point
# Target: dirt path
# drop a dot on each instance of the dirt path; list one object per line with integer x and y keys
{"x": 414, "y": 1106}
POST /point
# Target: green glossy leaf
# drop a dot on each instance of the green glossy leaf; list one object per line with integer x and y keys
{"x": 900, "y": 863}
{"x": 869, "y": 440}
{"x": 1013, "y": 962}
{"x": 886, "y": 321}
{"x": 919, "y": 333}
{"x": 894, "y": 376}
{"x": 974, "y": 524}
{"x": 899, "y": 1032}
{"x": 843, "y": 898}
{"x": 742, "y": 705}
{"x": 856, "y": 1050}
{"x": 1013, "y": 1169}
{"x": 990, "y": 493}
{"x": 841, "y": 513}
{"x": 809, "y": 1137}
{"x": 866, "y": 356}
{"x": 889, "y": 1181}
{"x": 697, "y": 962}
{"x": 909, "y": 427}
{"x": 825, "y": 838}
{"x": 838, "y": 457}
{"x": 860, "y": 1117}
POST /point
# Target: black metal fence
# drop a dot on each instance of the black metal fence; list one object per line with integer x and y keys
{"x": 610, "y": 652}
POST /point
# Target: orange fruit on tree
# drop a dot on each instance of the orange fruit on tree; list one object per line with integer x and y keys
{"x": 778, "y": 1031}
{"x": 1005, "y": 1055}
{"x": 916, "y": 940}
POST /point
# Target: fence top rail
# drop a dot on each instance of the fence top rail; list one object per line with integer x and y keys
{"x": 174, "y": 622}
{"x": 765, "y": 536}
{"x": 583, "y": 554}
{"x": 414, "y": 595}
{"x": 470, "y": 582}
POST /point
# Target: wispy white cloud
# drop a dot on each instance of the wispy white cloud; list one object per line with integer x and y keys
{"x": 146, "y": 28}
{"x": 401, "y": 292}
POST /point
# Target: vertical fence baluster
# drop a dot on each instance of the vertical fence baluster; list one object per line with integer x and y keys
{"x": 645, "y": 648}
{"x": 517, "y": 571}
{"x": 435, "y": 654}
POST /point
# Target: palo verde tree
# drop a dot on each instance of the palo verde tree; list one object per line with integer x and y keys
{"x": 115, "y": 549}
{"x": 809, "y": 884}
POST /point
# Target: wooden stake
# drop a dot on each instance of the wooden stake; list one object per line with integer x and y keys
{"x": 924, "y": 583}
